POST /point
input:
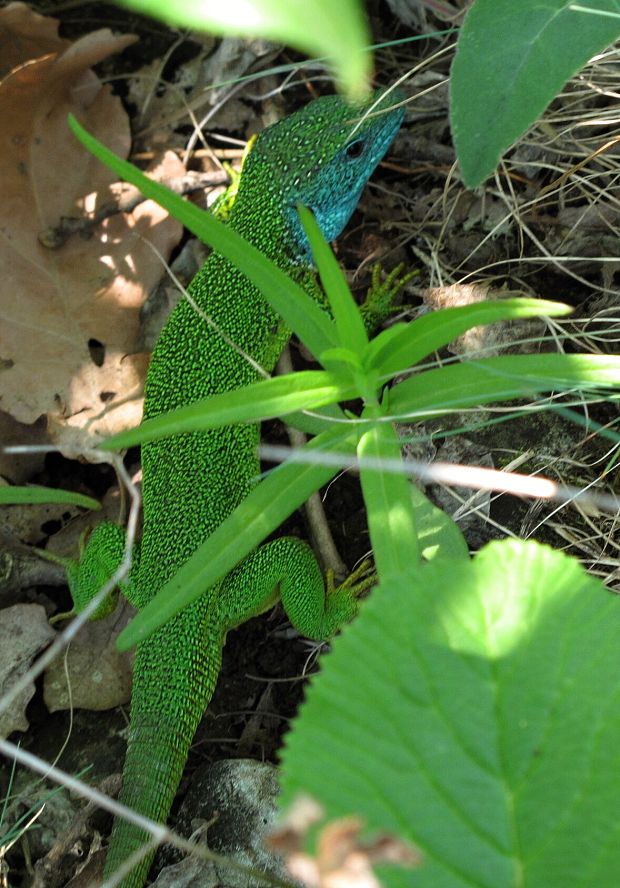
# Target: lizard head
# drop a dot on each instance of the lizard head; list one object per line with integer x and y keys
{"x": 322, "y": 156}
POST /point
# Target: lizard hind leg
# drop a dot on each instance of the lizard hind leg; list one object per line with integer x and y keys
{"x": 99, "y": 559}
{"x": 286, "y": 568}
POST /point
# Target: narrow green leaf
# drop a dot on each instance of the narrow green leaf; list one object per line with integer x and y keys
{"x": 313, "y": 422}
{"x": 438, "y": 535}
{"x": 30, "y": 495}
{"x": 512, "y": 59}
{"x": 254, "y": 403}
{"x": 387, "y": 497}
{"x": 393, "y": 352}
{"x": 299, "y": 311}
{"x": 316, "y": 27}
{"x": 496, "y": 686}
{"x": 347, "y": 317}
{"x": 340, "y": 357}
{"x": 260, "y": 513}
{"x": 457, "y": 386}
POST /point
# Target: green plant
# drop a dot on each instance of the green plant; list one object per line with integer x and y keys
{"x": 472, "y": 712}
{"x": 511, "y": 60}
{"x": 460, "y": 664}
{"x": 354, "y": 367}
{"x": 337, "y": 31}
{"x": 471, "y": 709}
{"x": 10, "y": 496}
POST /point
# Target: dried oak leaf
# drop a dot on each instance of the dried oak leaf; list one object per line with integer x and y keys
{"x": 69, "y": 318}
{"x": 24, "y": 631}
{"x": 24, "y": 35}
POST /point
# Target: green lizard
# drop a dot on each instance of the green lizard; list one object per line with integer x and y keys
{"x": 192, "y": 482}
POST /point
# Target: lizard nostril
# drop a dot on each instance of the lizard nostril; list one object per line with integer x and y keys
{"x": 97, "y": 351}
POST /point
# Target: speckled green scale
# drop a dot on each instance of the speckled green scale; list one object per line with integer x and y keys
{"x": 194, "y": 481}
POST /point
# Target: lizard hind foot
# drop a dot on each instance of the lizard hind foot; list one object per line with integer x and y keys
{"x": 360, "y": 580}
{"x": 315, "y": 605}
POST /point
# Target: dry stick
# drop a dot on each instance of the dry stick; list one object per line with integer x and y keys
{"x": 320, "y": 533}
{"x": 55, "y": 237}
{"x": 452, "y": 473}
{"x": 159, "y": 833}
{"x": 560, "y": 181}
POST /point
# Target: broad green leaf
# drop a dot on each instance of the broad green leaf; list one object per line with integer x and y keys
{"x": 260, "y": 513}
{"x": 299, "y": 311}
{"x": 347, "y": 317}
{"x": 457, "y": 386}
{"x": 254, "y": 403}
{"x": 405, "y": 345}
{"x": 28, "y": 495}
{"x": 387, "y": 497}
{"x": 512, "y": 59}
{"x": 316, "y": 27}
{"x": 473, "y": 710}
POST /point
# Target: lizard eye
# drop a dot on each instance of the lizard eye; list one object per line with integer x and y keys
{"x": 355, "y": 149}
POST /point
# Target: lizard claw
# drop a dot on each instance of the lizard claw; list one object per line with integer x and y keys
{"x": 357, "y": 582}
{"x": 379, "y": 302}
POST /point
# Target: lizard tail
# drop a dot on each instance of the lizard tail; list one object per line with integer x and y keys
{"x": 155, "y": 760}
{"x": 157, "y": 750}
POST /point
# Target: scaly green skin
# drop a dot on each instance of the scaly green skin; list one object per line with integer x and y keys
{"x": 194, "y": 481}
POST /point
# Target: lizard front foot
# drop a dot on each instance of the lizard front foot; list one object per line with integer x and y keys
{"x": 380, "y": 299}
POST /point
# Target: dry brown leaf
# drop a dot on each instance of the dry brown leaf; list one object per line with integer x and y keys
{"x": 25, "y": 35}
{"x": 160, "y": 103}
{"x": 99, "y": 676}
{"x": 24, "y": 631}
{"x": 27, "y": 522}
{"x": 59, "y": 307}
{"x": 343, "y": 859}
{"x": 521, "y": 336}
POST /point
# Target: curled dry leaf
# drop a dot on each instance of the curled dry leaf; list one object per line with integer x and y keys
{"x": 69, "y": 319}
{"x": 25, "y": 35}
{"x": 344, "y": 859}
{"x": 504, "y": 337}
{"x": 24, "y": 631}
